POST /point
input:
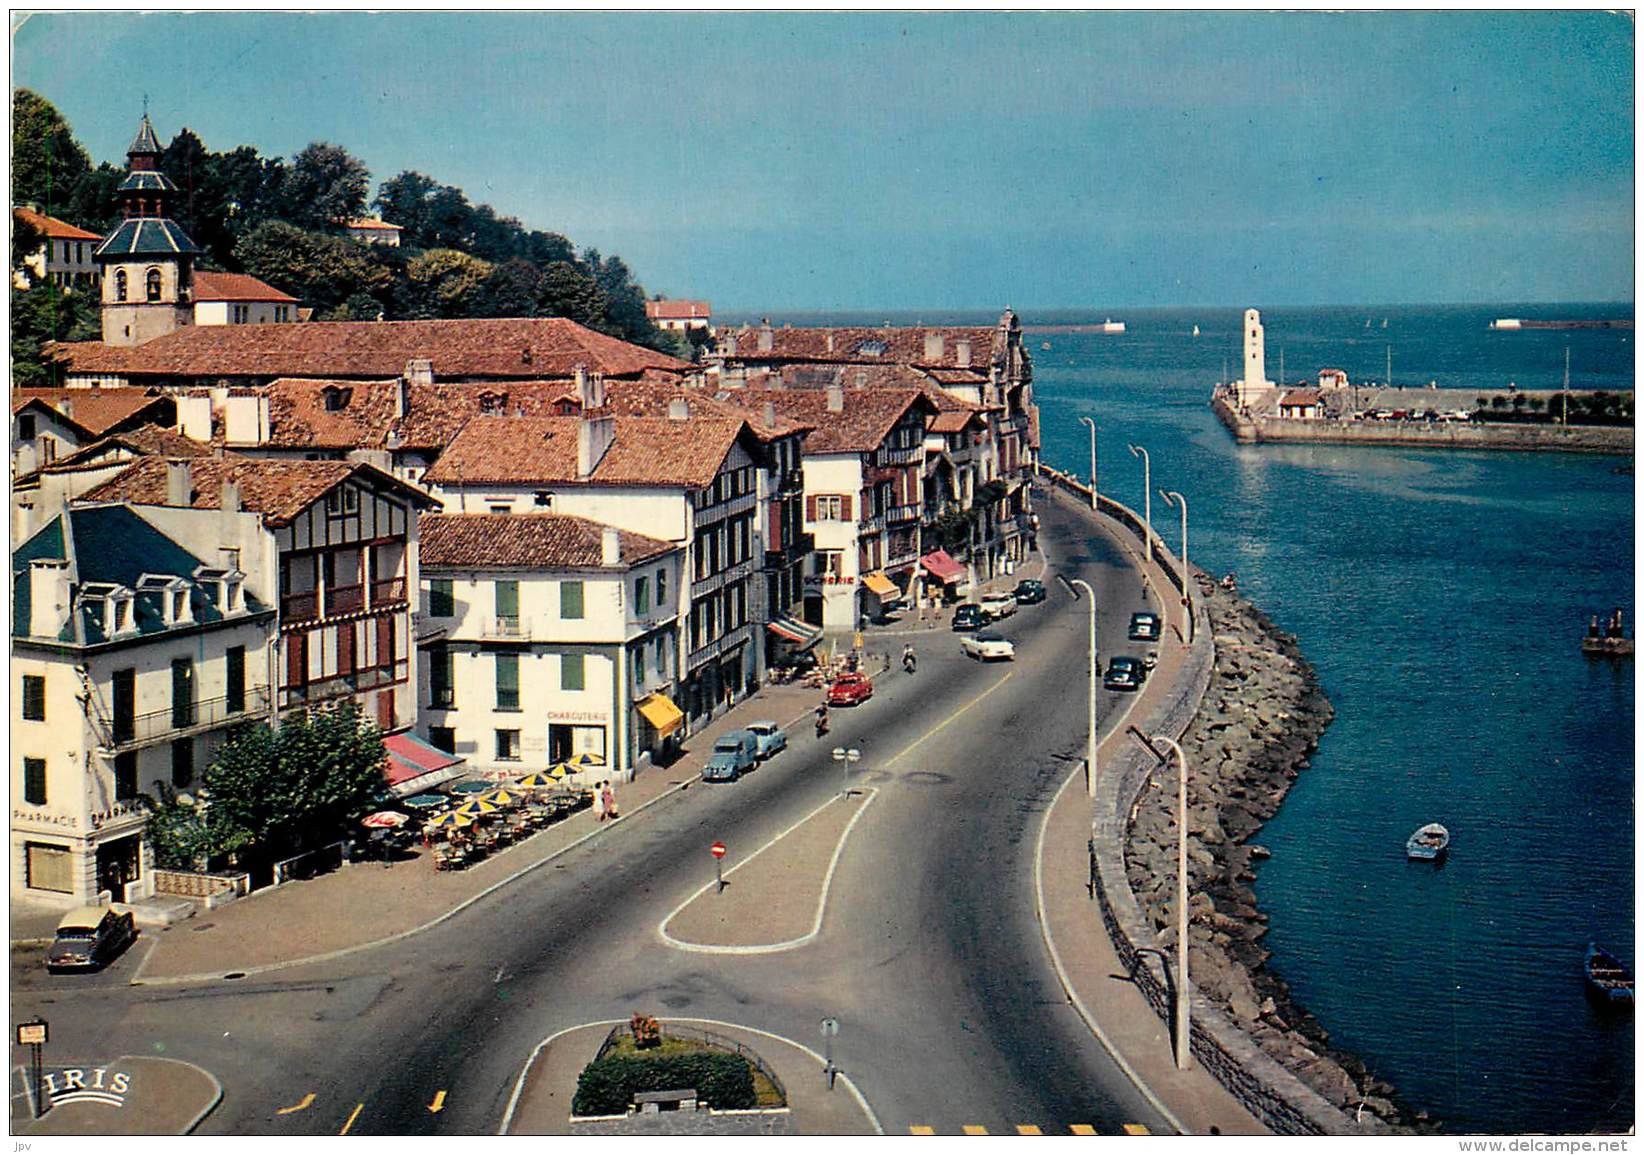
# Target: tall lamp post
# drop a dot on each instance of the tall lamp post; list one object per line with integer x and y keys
{"x": 1147, "y": 503}
{"x": 846, "y": 759}
{"x": 1094, "y": 503}
{"x": 1173, "y": 498}
{"x": 1183, "y": 1052}
{"x": 1090, "y": 738}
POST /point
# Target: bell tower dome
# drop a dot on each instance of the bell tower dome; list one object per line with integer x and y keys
{"x": 148, "y": 261}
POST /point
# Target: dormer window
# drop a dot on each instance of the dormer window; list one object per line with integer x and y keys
{"x": 491, "y": 402}
{"x": 227, "y": 587}
{"x": 335, "y": 398}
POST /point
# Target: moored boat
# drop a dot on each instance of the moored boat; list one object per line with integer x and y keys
{"x": 1430, "y": 842}
{"x": 1608, "y": 979}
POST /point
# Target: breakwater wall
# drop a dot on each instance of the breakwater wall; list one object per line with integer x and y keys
{"x": 1429, "y": 435}
{"x": 1275, "y": 1095}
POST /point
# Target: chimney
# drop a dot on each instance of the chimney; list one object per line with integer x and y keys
{"x": 594, "y": 437}
{"x": 727, "y": 345}
{"x": 933, "y": 348}
{"x": 770, "y": 414}
{"x": 836, "y": 398}
{"x": 419, "y": 371}
{"x": 610, "y": 546}
{"x": 230, "y": 500}
{"x": 402, "y": 398}
{"x": 48, "y": 596}
{"x": 766, "y": 336}
{"x": 194, "y": 417}
{"x": 66, "y": 407}
{"x": 590, "y": 389}
{"x": 245, "y": 420}
{"x": 961, "y": 353}
{"x": 582, "y": 384}
{"x": 679, "y": 410}
{"x": 179, "y": 484}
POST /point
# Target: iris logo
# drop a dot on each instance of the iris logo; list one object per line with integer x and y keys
{"x": 71, "y": 1085}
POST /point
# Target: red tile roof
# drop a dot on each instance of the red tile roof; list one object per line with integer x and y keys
{"x": 476, "y": 349}
{"x": 861, "y": 426}
{"x": 373, "y": 223}
{"x": 898, "y": 346}
{"x": 143, "y": 441}
{"x": 1300, "y": 397}
{"x": 366, "y": 418}
{"x": 279, "y": 490}
{"x": 96, "y": 411}
{"x": 209, "y": 286}
{"x": 645, "y": 451}
{"x": 677, "y": 310}
{"x": 525, "y": 541}
{"x": 53, "y": 228}
{"x": 652, "y": 399}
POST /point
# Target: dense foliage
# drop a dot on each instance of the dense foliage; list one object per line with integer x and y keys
{"x": 281, "y": 221}
{"x": 607, "y": 1086}
{"x": 276, "y": 791}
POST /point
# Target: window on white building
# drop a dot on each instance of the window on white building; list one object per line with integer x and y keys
{"x": 642, "y": 596}
{"x": 570, "y": 672}
{"x": 507, "y": 745}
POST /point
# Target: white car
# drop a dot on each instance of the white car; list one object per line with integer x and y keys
{"x": 1000, "y": 605}
{"x": 987, "y": 647}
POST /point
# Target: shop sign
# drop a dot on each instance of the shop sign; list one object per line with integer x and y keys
{"x": 32, "y": 818}
{"x": 118, "y": 810}
{"x": 577, "y": 716}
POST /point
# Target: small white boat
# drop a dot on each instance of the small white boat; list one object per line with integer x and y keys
{"x": 1111, "y": 326}
{"x": 1195, "y": 330}
{"x": 1428, "y": 843}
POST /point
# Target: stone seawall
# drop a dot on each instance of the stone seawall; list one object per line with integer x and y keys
{"x": 1425, "y": 435}
{"x": 1255, "y": 728}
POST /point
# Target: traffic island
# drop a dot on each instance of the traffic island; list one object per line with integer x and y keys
{"x": 774, "y": 899}
{"x": 131, "y": 1095}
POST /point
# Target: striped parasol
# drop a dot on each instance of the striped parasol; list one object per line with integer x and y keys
{"x": 503, "y": 797}
{"x": 583, "y": 761}
{"x": 474, "y": 808}
{"x": 541, "y": 779}
{"x": 450, "y": 821}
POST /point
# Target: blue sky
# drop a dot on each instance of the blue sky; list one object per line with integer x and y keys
{"x": 908, "y": 161}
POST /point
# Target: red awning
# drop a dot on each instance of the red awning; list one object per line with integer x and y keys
{"x": 415, "y": 766}
{"x": 943, "y": 568}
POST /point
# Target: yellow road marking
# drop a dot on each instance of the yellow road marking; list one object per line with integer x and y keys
{"x": 358, "y": 1107}
{"x": 1028, "y": 1129}
{"x": 1083, "y": 1128}
{"x": 951, "y": 718}
{"x": 919, "y": 1129}
{"x": 308, "y": 1100}
{"x": 439, "y": 1102}
{"x": 973, "y": 1129}
{"x": 1137, "y": 1128}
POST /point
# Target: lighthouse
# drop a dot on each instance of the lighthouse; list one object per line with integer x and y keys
{"x": 1254, "y": 381}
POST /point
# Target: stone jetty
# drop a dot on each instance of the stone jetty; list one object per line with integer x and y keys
{"x": 1254, "y": 732}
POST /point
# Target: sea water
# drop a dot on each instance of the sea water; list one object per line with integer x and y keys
{"x": 1441, "y": 596}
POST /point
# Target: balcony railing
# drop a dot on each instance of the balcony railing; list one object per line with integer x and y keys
{"x": 723, "y": 509}
{"x": 344, "y": 599}
{"x": 129, "y": 733}
{"x": 707, "y": 585}
{"x": 893, "y": 456}
{"x": 791, "y": 481}
{"x": 726, "y": 641}
{"x": 803, "y": 544}
{"x": 901, "y": 514}
{"x": 871, "y": 523}
{"x": 341, "y": 685}
{"x": 305, "y": 605}
{"x": 504, "y": 626}
{"x": 387, "y": 590}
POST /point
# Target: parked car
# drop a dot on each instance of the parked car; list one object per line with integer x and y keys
{"x": 1121, "y": 677}
{"x": 769, "y": 738}
{"x": 1030, "y": 591}
{"x": 1135, "y": 665}
{"x": 89, "y": 938}
{"x": 999, "y": 605}
{"x": 1144, "y": 627}
{"x": 734, "y": 755}
{"x": 986, "y": 646}
{"x": 969, "y": 616}
{"x": 850, "y": 689}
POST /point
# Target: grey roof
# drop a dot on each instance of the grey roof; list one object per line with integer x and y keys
{"x": 111, "y": 546}
{"x": 147, "y": 182}
{"x": 145, "y": 141}
{"x": 144, "y": 237}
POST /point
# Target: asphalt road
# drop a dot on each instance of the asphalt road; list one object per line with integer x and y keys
{"x": 930, "y": 956}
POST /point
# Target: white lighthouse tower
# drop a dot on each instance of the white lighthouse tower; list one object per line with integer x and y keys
{"x": 1254, "y": 382}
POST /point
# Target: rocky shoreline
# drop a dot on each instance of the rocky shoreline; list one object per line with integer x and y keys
{"x": 1254, "y": 732}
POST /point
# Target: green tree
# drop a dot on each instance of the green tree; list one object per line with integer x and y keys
{"x": 568, "y": 291}
{"x": 46, "y": 313}
{"x": 325, "y": 186}
{"x": 511, "y": 290}
{"x": 322, "y": 271}
{"x": 25, "y": 243}
{"x": 91, "y": 203}
{"x": 446, "y": 283}
{"x": 403, "y": 201}
{"x": 46, "y": 161}
{"x": 188, "y": 832}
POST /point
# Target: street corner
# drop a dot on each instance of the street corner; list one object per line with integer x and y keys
{"x": 775, "y": 898}
{"x": 130, "y": 1095}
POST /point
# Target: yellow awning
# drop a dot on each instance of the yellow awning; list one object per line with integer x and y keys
{"x": 659, "y": 710}
{"x": 881, "y": 585}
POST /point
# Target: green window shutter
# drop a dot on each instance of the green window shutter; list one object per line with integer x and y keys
{"x": 508, "y": 600}
{"x": 34, "y": 781}
{"x": 642, "y": 596}
{"x": 441, "y": 602}
{"x": 234, "y": 680}
{"x": 507, "y": 681}
{"x": 440, "y": 691}
{"x": 570, "y": 671}
{"x": 570, "y": 600}
{"x": 34, "y": 698}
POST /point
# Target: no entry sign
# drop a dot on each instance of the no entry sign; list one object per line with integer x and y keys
{"x": 717, "y": 850}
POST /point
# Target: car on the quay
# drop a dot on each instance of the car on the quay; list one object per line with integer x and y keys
{"x": 1030, "y": 591}
{"x": 734, "y": 755}
{"x": 769, "y": 738}
{"x": 89, "y": 938}
{"x": 1136, "y": 666}
{"x": 1119, "y": 677}
{"x": 1144, "y": 627}
{"x": 998, "y": 605}
{"x": 986, "y": 646}
{"x": 850, "y": 689}
{"x": 968, "y": 616}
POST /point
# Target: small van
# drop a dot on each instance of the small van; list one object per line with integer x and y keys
{"x": 734, "y": 755}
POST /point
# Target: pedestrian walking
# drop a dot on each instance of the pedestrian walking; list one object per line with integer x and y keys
{"x": 599, "y": 803}
{"x": 608, "y": 798}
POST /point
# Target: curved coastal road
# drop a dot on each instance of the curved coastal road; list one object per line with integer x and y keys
{"x": 930, "y": 955}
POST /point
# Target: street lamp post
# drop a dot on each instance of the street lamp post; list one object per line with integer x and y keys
{"x": 1182, "y": 1025}
{"x": 1147, "y": 505}
{"x": 1094, "y": 503}
{"x": 845, "y": 758}
{"x": 1090, "y": 736}
{"x": 1173, "y": 498}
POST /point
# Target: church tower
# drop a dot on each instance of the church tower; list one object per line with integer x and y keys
{"x": 1254, "y": 381}
{"x": 147, "y": 261}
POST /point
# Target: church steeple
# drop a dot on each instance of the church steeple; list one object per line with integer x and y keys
{"x": 148, "y": 259}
